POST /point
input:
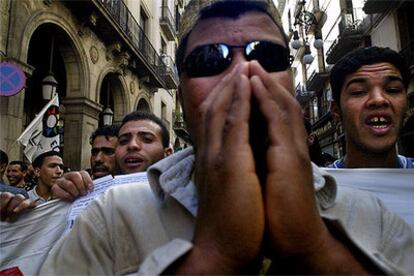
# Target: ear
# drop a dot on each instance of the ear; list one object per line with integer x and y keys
{"x": 311, "y": 139}
{"x": 336, "y": 112}
{"x": 37, "y": 172}
{"x": 168, "y": 151}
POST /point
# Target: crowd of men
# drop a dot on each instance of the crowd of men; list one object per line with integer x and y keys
{"x": 246, "y": 193}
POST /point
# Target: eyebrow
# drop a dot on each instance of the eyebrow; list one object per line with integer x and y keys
{"x": 56, "y": 164}
{"x": 356, "y": 80}
{"x": 365, "y": 80}
{"x": 394, "y": 78}
{"x": 139, "y": 133}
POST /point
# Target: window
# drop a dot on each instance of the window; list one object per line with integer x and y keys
{"x": 163, "y": 46}
{"x": 164, "y": 115}
{"x": 143, "y": 21}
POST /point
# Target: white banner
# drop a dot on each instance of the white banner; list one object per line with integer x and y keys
{"x": 24, "y": 244}
{"x": 42, "y": 134}
{"x": 395, "y": 187}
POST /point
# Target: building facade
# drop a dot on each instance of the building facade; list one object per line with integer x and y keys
{"x": 116, "y": 54}
{"x": 343, "y": 25}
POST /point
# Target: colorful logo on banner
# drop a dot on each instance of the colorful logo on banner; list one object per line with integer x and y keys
{"x": 51, "y": 122}
{"x": 42, "y": 134}
{"x": 12, "y": 79}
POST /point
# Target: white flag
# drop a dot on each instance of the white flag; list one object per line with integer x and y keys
{"x": 42, "y": 134}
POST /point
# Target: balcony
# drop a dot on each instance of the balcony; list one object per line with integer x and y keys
{"x": 167, "y": 23}
{"x": 114, "y": 24}
{"x": 375, "y": 6}
{"x": 169, "y": 72}
{"x": 316, "y": 80}
{"x": 179, "y": 126}
{"x": 408, "y": 53}
{"x": 350, "y": 37}
{"x": 303, "y": 95}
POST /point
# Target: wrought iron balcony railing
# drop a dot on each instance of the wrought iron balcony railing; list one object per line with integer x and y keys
{"x": 167, "y": 22}
{"x": 179, "y": 126}
{"x": 375, "y": 6}
{"x": 316, "y": 80}
{"x": 169, "y": 72}
{"x": 141, "y": 45}
{"x": 350, "y": 36}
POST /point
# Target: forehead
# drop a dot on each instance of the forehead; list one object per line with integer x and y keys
{"x": 132, "y": 127}
{"x": 104, "y": 140}
{"x": 247, "y": 27}
{"x": 375, "y": 71}
{"x": 52, "y": 159}
{"x": 14, "y": 167}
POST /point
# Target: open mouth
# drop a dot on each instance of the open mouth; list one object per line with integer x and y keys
{"x": 100, "y": 169}
{"x": 133, "y": 161}
{"x": 378, "y": 122}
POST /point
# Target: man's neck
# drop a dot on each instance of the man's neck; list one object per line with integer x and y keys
{"x": 43, "y": 191}
{"x": 358, "y": 159}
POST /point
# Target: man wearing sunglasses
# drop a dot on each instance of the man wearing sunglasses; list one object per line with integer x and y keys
{"x": 245, "y": 191}
{"x": 103, "y": 142}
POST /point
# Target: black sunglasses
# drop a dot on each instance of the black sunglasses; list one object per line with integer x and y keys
{"x": 104, "y": 150}
{"x": 213, "y": 59}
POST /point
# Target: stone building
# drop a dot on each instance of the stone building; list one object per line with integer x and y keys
{"x": 115, "y": 54}
{"x": 324, "y": 31}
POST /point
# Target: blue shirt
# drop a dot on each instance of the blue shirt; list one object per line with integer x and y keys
{"x": 7, "y": 188}
{"x": 405, "y": 163}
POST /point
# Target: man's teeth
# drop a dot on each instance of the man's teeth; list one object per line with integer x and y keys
{"x": 132, "y": 161}
{"x": 378, "y": 122}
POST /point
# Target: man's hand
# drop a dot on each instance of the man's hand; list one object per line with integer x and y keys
{"x": 293, "y": 218}
{"x": 294, "y": 226}
{"x": 230, "y": 219}
{"x": 72, "y": 185}
{"x": 12, "y": 205}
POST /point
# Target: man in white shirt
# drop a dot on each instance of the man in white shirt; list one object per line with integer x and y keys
{"x": 48, "y": 168}
{"x": 248, "y": 188}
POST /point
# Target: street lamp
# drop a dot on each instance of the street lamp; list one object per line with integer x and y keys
{"x": 303, "y": 20}
{"x": 49, "y": 83}
{"x": 307, "y": 58}
{"x": 107, "y": 114}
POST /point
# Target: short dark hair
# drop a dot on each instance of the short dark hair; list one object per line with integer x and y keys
{"x": 107, "y": 131}
{"x": 228, "y": 9}
{"x": 38, "y": 161}
{"x": 143, "y": 115}
{"x": 22, "y": 164}
{"x": 354, "y": 60}
{"x": 4, "y": 159}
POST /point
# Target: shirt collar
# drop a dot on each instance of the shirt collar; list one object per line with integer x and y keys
{"x": 172, "y": 176}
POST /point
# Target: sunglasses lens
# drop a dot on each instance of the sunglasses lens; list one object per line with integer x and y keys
{"x": 208, "y": 60}
{"x": 272, "y": 57}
